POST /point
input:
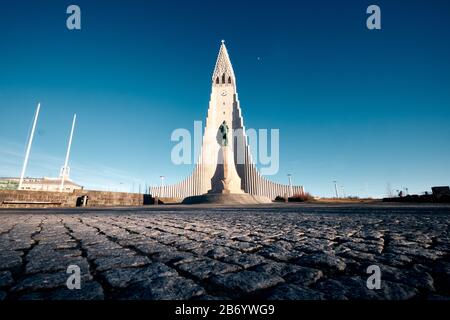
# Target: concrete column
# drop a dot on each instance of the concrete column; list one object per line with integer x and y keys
{"x": 188, "y": 189}
{"x": 263, "y": 185}
{"x": 254, "y": 191}
{"x": 188, "y": 186}
{"x": 194, "y": 183}
{"x": 247, "y": 172}
{"x": 272, "y": 187}
{"x": 260, "y": 184}
{"x": 262, "y": 181}
{"x": 255, "y": 179}
{"x": 202, "y": 179}
{"x": 266, "y": 188}
{"x": 250, "y": 177}
{"x": 269, "y": 189}
{"x": 197, "y": 180}
{"x": 180, "y": 189}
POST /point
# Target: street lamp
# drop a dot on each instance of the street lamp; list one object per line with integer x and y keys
{"x": 161, "y": 194}
{"x": 336, "y": 189}
{"x": 343, "y": 192}
{"x": 290, "y": 185}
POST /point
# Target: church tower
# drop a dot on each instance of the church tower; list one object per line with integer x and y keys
{"x": 224, "y": 107}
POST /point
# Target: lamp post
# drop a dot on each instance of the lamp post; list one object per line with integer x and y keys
{"x": 162, "y": 186}
{"x": 336, "y": 189}
{"x": 290, "y": 185}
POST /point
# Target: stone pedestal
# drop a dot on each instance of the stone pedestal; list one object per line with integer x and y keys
{"x": 226, "y": 179}
{"x": 226, "y": 185}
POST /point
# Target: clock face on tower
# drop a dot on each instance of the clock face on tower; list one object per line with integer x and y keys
{"x": 224, "y": 93}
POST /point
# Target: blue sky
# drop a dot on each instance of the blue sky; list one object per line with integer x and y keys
{"x": 358, "y": 106}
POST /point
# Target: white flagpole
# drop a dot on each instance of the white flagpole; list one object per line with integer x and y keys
{"x": 64, "y": 171}
{"x": 30, "y": 141}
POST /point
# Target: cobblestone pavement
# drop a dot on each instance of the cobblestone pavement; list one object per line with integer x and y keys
{"x": 281, "y": 252}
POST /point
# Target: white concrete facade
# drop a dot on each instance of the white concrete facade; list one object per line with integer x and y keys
{"x": 224, "y": 106}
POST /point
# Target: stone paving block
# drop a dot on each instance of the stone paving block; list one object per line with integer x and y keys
{"x": 173, "y": 256}
{"x": 219, "y": 252}
{"x": 278, "y": 268}
{"x": 278, "y": 253}
{"x": 10, "y": 259}
{"x": 46, "y": 281}
{"x": 165, "y": 288}
{"x": 293, "y": 292}
{"x": 52, "y": 263}
{"x": 416, "y": 252}
{"x": 323, "y": 260}
{"x": 89, "y": 291}
{"x": 395, "y": 260}
{"x": 304, "y": 276}
{"x": 122, "y": 261}
{"x": 204, "y": 268}
{"x": 245, "y": 282}
{"x": 356, "y": 288}
{"x": 152, "y": 247}
{"x": 245, "y": 260}
{"x": 396, "y": 291}
{"x": 410, "y": 277}
{"x": 122, "y": 277}
{"x": 6, "y": 278}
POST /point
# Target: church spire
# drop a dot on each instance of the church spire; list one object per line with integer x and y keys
{"x": 223, "y": 72}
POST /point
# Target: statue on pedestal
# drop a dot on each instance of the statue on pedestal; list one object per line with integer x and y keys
{"x": 226, "y": 179}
